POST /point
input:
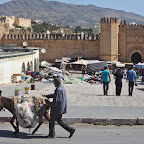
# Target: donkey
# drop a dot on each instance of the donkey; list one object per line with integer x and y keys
{"x": 8, "y": 104}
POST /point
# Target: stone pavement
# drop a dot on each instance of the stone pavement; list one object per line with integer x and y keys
{"x": 86, "y": 102}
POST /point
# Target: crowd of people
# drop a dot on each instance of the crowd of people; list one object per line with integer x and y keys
{"x": 119, "y": 74}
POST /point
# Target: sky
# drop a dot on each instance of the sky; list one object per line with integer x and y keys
{"x": 136, "y": 6}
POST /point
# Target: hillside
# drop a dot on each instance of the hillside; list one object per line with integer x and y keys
{"x": 65, "y": 14}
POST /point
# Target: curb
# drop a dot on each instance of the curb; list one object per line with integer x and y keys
{"x": 95, "y": 121}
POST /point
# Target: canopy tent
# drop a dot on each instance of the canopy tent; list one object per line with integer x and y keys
{"x": 120, "y": 65}
{"x": 82, "y": 62}
{"x": 140, "y": 65}
{"x": 99, "y": 65}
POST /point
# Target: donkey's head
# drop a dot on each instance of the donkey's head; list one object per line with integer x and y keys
{"x": 1, "y": 105}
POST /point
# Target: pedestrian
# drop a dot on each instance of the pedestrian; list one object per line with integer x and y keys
{"x": 118, "y": 81}
{"x": 125, "y": 73}
{"x": 105, "y": 77}
{"x": 83, "y": 69}
{"x": 131, "y": 77}
{"x": 58, "y": 108}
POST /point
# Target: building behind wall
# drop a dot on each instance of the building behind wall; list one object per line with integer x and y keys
{"x": 4, "y": 29}
{"x": 22, "y": 22}
{"x": 13, "y": 21}
{"x": 96, "y": 29}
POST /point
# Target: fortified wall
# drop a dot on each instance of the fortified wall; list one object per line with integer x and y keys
{"x": 131, "y": 42}
{"x": 59, "y": 45}
{"x": 117, "y": 42}
{"x": 109, "y": 39}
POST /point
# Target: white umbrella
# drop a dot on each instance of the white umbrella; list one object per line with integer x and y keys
{"x": 82, "y": 62}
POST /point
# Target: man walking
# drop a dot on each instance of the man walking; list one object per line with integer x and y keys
{"x": 131, "y": 77}
{"x": 58, "y": 108}
{"x": 118, "y": 81}
{"x": 105, "y": 77}
{"x": 125, "y": 73}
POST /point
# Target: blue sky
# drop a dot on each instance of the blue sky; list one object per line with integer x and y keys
{"x": 136, "y": 6}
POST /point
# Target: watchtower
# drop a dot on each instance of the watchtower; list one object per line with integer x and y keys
{"x": 109, "y": 39}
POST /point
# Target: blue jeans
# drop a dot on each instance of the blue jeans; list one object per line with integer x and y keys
{"x": 105, "y": 87}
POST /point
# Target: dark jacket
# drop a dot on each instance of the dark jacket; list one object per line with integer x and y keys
{"x": 59, "y": 104}
{"x": 119, "y": 76}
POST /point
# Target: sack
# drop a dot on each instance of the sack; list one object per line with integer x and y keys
{"x": 26, "y": 114}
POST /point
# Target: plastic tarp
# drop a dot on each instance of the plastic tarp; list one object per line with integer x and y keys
{"x": 140, "y": 65}
{"x": 82, "y": 62}
{"x": 74, "y": 81}
{"x": 93, "y": 67}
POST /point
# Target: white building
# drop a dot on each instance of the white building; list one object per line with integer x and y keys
{"x": 17, "y": 62}
{"x": 96, "y": 29}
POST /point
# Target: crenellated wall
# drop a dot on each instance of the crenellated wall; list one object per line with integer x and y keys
{"x": 131, "y": 40}
{"x": 51, "y": 37}
{"x": 57, "y": 45}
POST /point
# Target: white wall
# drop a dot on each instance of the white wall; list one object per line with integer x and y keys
{"x": 13, "y": 65}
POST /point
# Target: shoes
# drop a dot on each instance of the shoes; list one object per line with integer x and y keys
{"x": 106, "y": 92}
{"x": 50, "y": 137}
{"x": 71, "y": 133}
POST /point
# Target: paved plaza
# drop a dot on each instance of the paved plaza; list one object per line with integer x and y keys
{"x": 88, "y": 101}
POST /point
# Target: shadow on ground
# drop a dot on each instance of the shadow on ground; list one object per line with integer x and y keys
{"x": 142, "y": 89}
{"x": 20, "y": 135}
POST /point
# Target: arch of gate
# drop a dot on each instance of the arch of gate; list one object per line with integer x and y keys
{"x": 135, "y": 50}
{"x": 136, "y": 57}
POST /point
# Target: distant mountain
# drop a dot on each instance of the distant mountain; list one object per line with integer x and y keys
{"x": 65, "y": 14}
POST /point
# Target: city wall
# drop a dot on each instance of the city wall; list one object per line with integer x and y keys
{"x": 57, "y": 45}
{"x": 131, "y": 40}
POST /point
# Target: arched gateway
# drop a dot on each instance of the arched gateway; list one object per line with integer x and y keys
{"x": 136, "y": 57}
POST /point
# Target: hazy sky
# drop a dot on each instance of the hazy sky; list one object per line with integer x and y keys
{"x": 136, "y": 6}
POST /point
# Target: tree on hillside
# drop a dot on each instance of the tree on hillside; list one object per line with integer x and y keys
{"x": 42, "y": 28}
{"x": 79, "y": 29}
